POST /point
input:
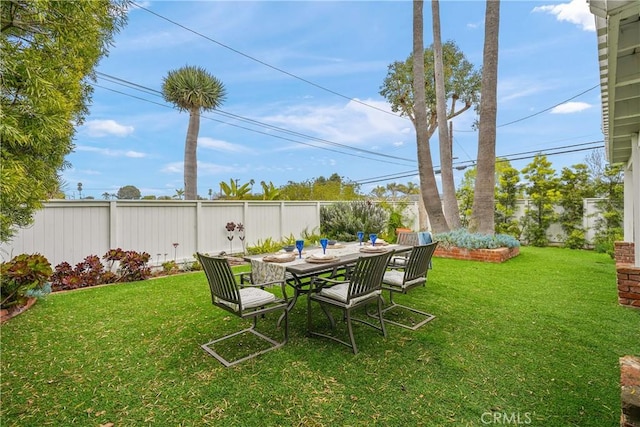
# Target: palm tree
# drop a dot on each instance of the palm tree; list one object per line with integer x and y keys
{"x": 194, "y": 90}
{"x": 106, "y": 195}
{"x": 425, "y": 164}
{"x": 451, "y": 212}
{"x": 482, "y": 219}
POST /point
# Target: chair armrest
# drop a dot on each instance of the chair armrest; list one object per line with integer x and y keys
{"x": 318, "y": 283}
{"x": 245, "y": 277}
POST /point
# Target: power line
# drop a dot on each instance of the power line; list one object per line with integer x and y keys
{"x": 330, "y": 90}
{"x": 155, "y": 92}
{"x": 499, "y": 159}
{"x": 264, "y": 63}
{"x": 272, "y": 135}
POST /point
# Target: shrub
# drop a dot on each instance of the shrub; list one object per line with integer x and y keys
{"x": 342, "y": 221}
{"x": 462, "y": 238}
{"x": 169, "y": 267}
{"x": 576, "y": 239}
{"x": 132, "y": 266}
{"x": 269, "y": 245}
{"x": 89, "y": 272}
{"x": 22, "y": 277}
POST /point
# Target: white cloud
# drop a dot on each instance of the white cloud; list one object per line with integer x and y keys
{"x": 204, "y": 168}
{"x": 98, "y": 128}
{"x": 111, "y": 153}
{"x": 351, "y": 124}
{"x": 576, "y": 12}
{"x": 134, "y": 154}
{"x": 570, "y": 107}
{"x": 219, "y": 145}
{"x": 474, "y": 25}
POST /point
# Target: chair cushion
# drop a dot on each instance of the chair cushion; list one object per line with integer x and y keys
{"x": 396, "y": 278}
{"x": 251, "y": 298}
{"x": 340, "y": 293}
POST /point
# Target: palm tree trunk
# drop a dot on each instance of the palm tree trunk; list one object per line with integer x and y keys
{"x": 190, "y": 156}
{"x": 428, "y": 186}
{"x": 482, "y": 219}
{"x": 451, "y": 210}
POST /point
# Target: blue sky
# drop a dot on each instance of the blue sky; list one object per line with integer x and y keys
{"x": 338, "y": 53}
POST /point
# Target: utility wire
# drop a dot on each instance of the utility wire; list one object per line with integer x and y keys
{"x": 330, "y": 90}
{"x": 264, "y": 63}
{"x": 498, "y": 160}
{"x": 155, "y": 92}
{"x": 262, "y": 132}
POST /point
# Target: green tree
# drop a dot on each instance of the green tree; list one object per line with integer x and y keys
{"x": 506, "y": 195}
{"x": 464, "y": 195}
{"x": 129, "y": 192}
{"x": 416, "y": 98}
{"x": 321, "y": 188}
{"x": 542, "y": 189}
{"x": 379, "y": 192}
{"x": 179, "y": 194}
{"x": 49, "y": 52}
{"x": 575, "y": 186}
{"x": 194, "y": 90}
{"x": 609, "y": 185}
{"x": 106, "y": 195}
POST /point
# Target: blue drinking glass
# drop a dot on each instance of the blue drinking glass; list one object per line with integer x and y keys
{"x": 373, "y": 238}
{"x": 323, "y": 243}
{"x": 360, "y": 236}
{"x": 299, "y": 246}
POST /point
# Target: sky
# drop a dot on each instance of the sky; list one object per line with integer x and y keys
{"x": 303, "y": 81}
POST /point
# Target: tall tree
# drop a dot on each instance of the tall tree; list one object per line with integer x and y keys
{"x": 129, "y": 192}
{"x": 451, "y": 211}
{"x": 543, "y": 192}
{"x": 192, "y": 89}
{"x": 49, "y": 52}
{"x": 574, "y": 187}
{"x": 482, "y": 219}
{"x": 428, "y": 184}
{"x": 462, "y": 88}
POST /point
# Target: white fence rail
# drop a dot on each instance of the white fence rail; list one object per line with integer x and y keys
{"x": 70, "y": 230}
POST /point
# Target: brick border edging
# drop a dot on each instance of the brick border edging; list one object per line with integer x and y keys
{"x": 6, "y": 315}
{"x": 498, "y": 255}
{"x": 630, "y": 391}
{"x": 628, "y": 275}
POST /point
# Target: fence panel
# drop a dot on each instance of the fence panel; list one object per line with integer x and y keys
{"x": 70, "y": 230}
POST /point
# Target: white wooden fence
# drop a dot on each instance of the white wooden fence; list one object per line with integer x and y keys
{"x": 70, "y": 230}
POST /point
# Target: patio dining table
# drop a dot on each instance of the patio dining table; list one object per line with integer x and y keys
{"x": 300, "y": 271}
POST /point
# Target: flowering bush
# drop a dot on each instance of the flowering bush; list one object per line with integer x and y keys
{"x": 462, "y": 238}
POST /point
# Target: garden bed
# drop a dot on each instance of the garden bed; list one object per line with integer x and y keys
{"x": 497, "y": 255}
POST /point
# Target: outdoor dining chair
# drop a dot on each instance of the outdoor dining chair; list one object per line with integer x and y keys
{"x": 403, "y": 278}
{"x": 407, "y": 238}
{"x": 245, "y": 300}
{"x": 362, "y": 287}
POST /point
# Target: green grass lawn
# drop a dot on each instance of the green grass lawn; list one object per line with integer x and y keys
{"x": 537, "y": 338}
